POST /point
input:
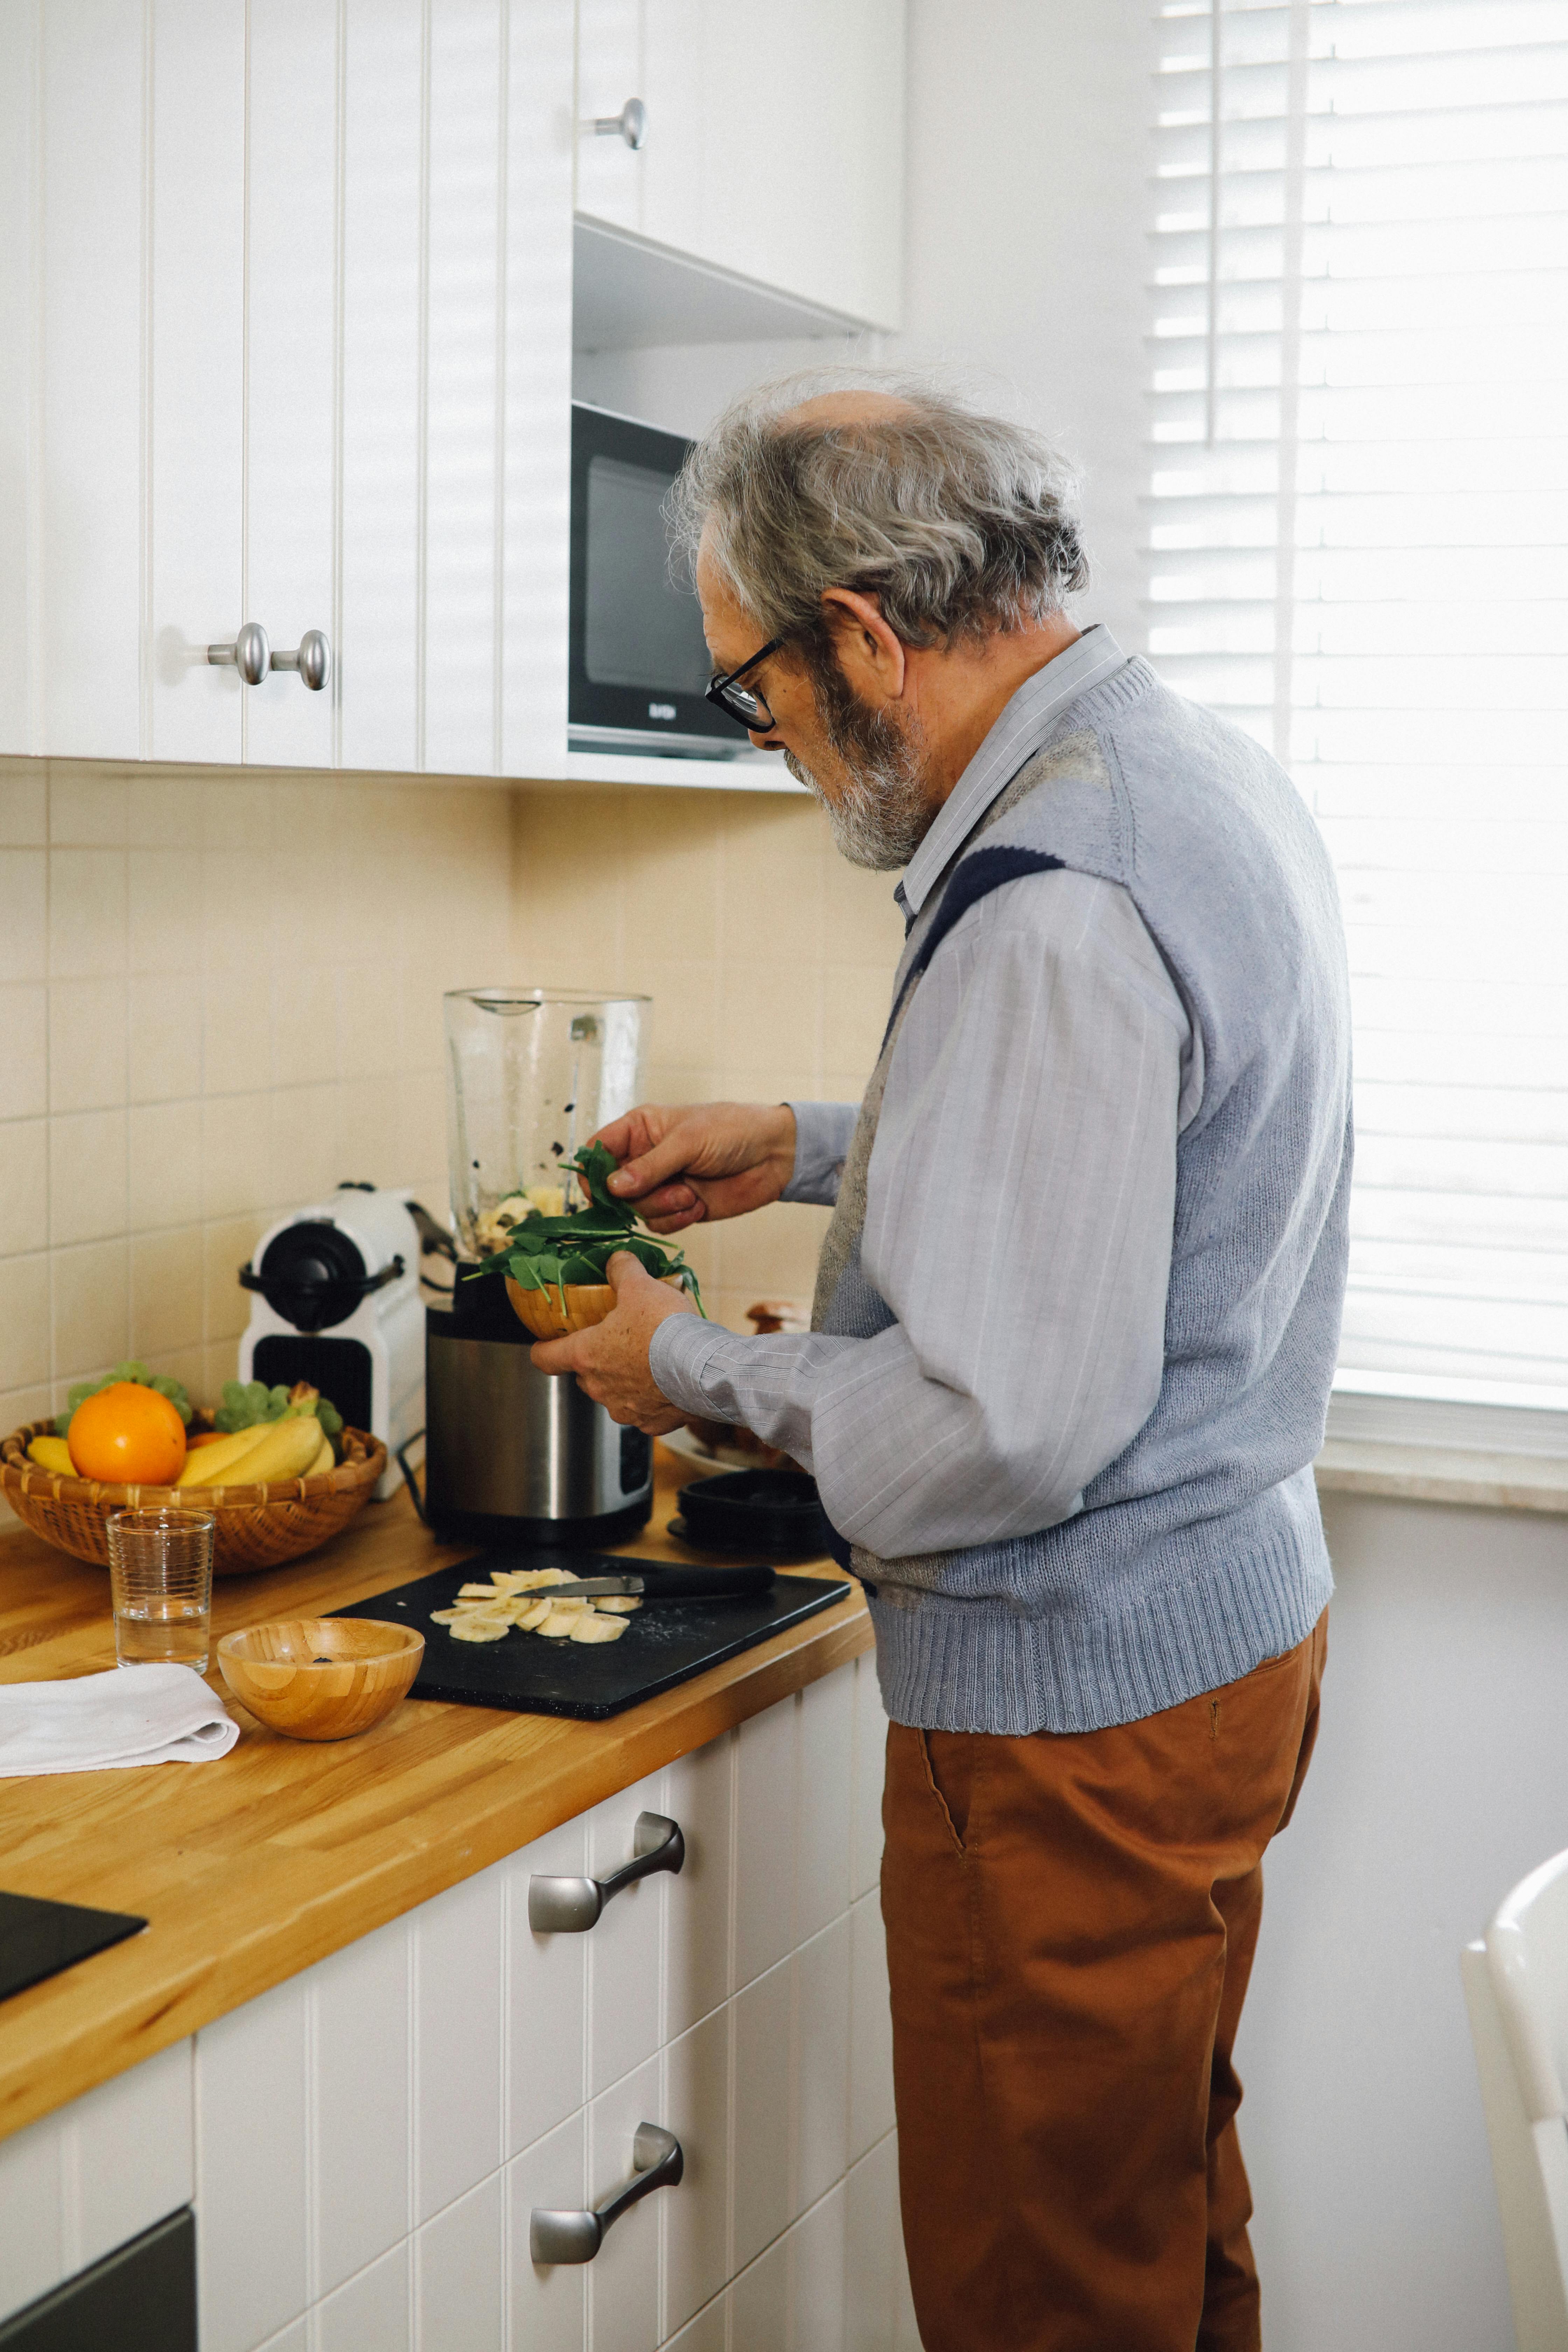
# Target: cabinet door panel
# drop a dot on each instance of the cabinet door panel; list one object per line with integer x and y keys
{"x": 549, "y": 2306}
{"x": 198, "y": 286}
{"x": 252, "y": 2182}
{"x": 459, "y": 2274}
{"x": 826, "y": 1785}
{"x": 547, "y": 1997}
{"x": 820, "y": 215}
{"x": 821, "y": 2102}
{"x": 817, "y": 2260}
{"x": 823, "y": 219}
{"x": 624, "y": 1944}
{"x": 457, "y": 1994}
{"x": 623, "y": 2277}
{"x": 609, "y": 174}
{"x": 700, "y": 1793}
{"x": 361, "y": 2095}
{"x": 291, "y": 358}
{"x": 696, "y": 2215}
{"x": 767, "y": 1815}
{"x": 91, "y": 366}
{"x": 384, "y": 166}
{"x": 537, "y": 424}
{"x": 461, "y": 512}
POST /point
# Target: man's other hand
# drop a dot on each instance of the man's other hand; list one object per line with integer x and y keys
{"x": 681, "y": 1166}
{"x": 610, "y": 1359}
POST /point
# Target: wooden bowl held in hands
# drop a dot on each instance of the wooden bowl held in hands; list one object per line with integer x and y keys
{"x": 320, "y": 1678}
{"x": 587, "y": 1302}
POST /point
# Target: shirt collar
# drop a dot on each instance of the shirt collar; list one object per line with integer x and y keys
{"x": 1018, "y": 733}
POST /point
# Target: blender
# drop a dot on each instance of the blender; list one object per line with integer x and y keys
{"x": 512, "y": 1456}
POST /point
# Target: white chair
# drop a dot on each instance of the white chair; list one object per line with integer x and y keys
{"x": 1516, "y": 1986}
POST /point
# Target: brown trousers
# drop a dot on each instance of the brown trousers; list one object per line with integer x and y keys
{"x": 1071, "y": 1921}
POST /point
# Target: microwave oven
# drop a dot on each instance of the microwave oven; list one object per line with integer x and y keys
{"x": 638, "y": 662}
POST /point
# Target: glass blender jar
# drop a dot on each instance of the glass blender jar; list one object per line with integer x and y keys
{"x": 514, "y": 1457}
{"x": 531, "y": 1073}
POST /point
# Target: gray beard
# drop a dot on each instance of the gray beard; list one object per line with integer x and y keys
{"x": 881, "y": 814}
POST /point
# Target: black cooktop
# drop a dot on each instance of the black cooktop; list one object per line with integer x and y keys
{"x": 37, "y": 1939}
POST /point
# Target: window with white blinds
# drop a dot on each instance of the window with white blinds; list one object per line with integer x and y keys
{"x": 1359, "y": 552}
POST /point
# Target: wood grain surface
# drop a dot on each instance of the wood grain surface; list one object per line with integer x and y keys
{"x": 253, "y": 1867}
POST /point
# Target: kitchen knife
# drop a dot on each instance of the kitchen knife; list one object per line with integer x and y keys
{"x": 665, "y": 1584}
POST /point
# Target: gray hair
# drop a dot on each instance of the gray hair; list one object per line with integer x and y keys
{"x": 960, "y": 523}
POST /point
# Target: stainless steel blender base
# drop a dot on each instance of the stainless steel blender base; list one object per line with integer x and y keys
{"x": 513, "y": 1456}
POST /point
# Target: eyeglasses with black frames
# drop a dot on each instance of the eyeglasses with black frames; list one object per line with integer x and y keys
{"x": 744, "y": 702}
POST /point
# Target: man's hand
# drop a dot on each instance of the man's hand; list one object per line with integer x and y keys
{"x": 707, "y": 1161}
{"x": 610, "y": 1359}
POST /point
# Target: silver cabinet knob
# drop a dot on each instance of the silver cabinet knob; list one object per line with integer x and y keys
{"x": 657, "y": 2162}
{"x": 249, "y": 654}
{"x": 559, "y": 1906}
{"x": 630, "y": 124}
{"x": 252, "y": 657}
{"x": 312, "y": 657}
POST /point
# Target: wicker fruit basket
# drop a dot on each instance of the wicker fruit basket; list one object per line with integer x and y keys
{"x": 258, "y": 1526}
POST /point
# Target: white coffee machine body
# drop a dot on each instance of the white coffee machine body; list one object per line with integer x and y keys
{"x": 335, "y": 1301}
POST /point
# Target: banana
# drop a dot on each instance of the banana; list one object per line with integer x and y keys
{"x": 52, "y": 1454}
{"x": 325, "y": 1458}
{"x": 208, "y": 1465}
{"x": 285, "y": 1449}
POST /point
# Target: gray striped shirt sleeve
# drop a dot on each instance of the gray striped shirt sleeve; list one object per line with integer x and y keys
{"x": 1020, "y": 1199}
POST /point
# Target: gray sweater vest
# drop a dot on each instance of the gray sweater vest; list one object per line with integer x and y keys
{"x": 1199, "y": 1551}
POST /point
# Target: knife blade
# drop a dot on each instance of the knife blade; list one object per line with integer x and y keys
{"x": 656, "y": 1584}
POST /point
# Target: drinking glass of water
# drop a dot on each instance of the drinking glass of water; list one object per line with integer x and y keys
{"x": 160, "y": 1571}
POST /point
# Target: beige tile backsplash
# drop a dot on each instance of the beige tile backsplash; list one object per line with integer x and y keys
{"x": 220, "y": 994}
{"x": 768, "y": 960}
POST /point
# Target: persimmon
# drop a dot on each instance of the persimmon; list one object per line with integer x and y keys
{"x": 127, "y": 1435}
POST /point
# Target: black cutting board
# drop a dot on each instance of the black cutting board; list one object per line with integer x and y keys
{"x": 660, "y": 1647}
{"x": 38, "y": 1939}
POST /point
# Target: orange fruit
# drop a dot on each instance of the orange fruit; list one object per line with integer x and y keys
{"x": 127, "y": 1435}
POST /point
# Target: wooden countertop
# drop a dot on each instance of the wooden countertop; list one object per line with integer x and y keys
{"x": 251, "y": 1868}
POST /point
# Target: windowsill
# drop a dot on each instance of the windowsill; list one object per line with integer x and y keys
{"x": 1441, "y": 1474}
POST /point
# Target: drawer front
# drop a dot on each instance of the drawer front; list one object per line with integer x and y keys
{"x": 375, "y": 2134}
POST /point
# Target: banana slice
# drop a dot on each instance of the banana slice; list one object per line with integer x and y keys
{"x": 534, "y": 1616}
{"x": 617, "y": 1604}
{"x": 562, "y": 1619}
{"x": 475, "y": 1627}
{"x": 477, "y": 1592}
{"x": 593, "y": 1627}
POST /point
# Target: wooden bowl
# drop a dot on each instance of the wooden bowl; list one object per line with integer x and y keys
{"x": 257, "y": 1526}
{"x": 586, "y": 1303}
{"x": 320, "y": 1678}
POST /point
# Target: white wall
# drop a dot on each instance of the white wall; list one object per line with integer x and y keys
{"x": 1028, "y": 164}
{"x": 1441, "y": 1778}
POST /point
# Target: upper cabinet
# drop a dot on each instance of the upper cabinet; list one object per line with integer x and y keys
{"x": 772, "y": 140}
{"x": 286, "y": 311}
{"x": 285, "y": 296}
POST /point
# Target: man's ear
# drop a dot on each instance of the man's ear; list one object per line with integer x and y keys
{"x": 872, "y": 657}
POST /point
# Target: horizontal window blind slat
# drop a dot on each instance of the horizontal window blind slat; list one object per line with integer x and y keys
{"x": 1356, "y": 547}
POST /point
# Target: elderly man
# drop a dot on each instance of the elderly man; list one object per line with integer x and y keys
{"x": 1075, "y": 1326}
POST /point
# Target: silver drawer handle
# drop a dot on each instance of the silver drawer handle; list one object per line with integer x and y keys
{"x": 657, "y": 2162}
{"x": 630, "y": 124}
{"x": 252, "y": 657}
{"x": 558, "y": 1906}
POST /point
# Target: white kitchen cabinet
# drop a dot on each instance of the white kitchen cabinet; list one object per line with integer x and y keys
{"x": 285, "y": 295}
{"x": 364, "y": 2144}
{"x": 774, "y": 139}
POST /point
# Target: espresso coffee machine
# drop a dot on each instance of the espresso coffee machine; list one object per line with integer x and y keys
{"x": 513, "y": 1456}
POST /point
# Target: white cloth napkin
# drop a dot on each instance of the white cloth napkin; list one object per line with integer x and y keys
{"x": 98, "y": 1723}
